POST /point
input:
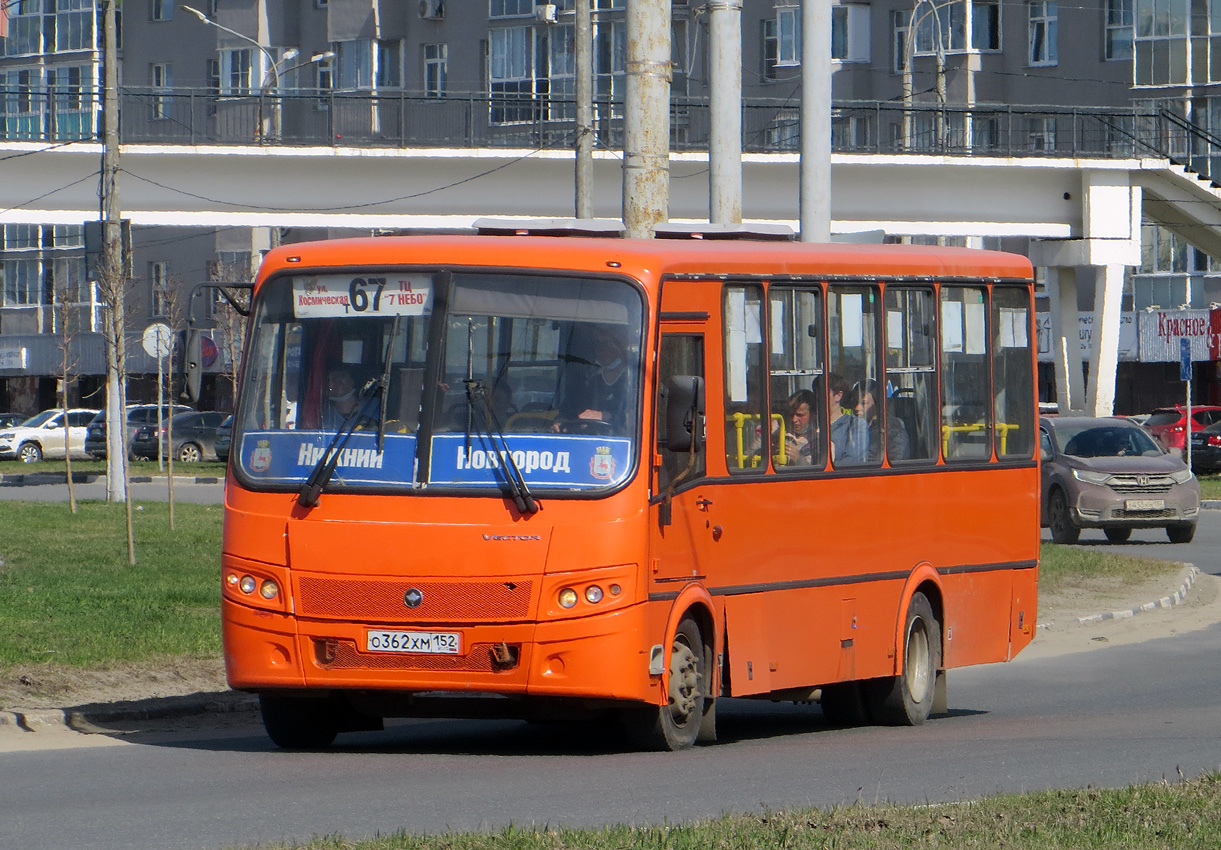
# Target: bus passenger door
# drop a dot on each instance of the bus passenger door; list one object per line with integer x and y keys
{"x": 681, "y": 515}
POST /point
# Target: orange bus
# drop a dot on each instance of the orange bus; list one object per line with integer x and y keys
{"x": 533, "y": 476}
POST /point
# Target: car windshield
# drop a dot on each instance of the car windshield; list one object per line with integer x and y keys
{"x": 437, "y": 401}
{"x": 36, "y": 421}
{"x": 1163, "y": 417}
{"x": 1093, "y": 440}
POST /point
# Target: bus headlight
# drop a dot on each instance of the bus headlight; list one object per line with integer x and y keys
{"x": 247, "y": 584}
{"x": 269, "y": 590}
{"x": 593, "y": 594}
{"x": 568, "y": 597}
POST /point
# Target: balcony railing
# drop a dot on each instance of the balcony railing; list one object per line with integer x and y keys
{"x": 400, "y": 120}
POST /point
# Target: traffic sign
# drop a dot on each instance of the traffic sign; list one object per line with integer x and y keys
{"x": 158, "y": 340}
{"x": 1184, "y": 359}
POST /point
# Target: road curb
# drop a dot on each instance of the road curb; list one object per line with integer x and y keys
{"x": 87, "y": 718}
{"x": 1170, "y": 601}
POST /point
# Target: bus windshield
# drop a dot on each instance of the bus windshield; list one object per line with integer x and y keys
{"x": 452, "y": 381}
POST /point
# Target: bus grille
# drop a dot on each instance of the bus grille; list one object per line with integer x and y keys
{"x": 346, "y": 657}
{"x": 441, "y": 601}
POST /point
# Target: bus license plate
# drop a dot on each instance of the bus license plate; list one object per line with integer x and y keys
{"x": 426, "y": 643}
{"x": 1144, "y": 504}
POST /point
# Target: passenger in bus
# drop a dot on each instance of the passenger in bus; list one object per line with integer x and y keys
{"x": 849, "y": 433}
{"x": 801, "y": 438}
{"x": 600, "y": 393}
{"x": 863, "y": 399}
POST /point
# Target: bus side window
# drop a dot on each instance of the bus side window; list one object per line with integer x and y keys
{"x": 1013, "y": 391}
{"x": 911, "y": 380}
{"x": 747, "y": 429}
{"x": 965, "y": 394}
{"x": 853, "y": 311}
{"x": 796, "y": 381}
{"x": 679, "y": 354}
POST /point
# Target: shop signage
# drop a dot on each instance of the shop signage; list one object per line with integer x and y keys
{"x": 1085, "y": 333}
{"x": 1162, "y": 330}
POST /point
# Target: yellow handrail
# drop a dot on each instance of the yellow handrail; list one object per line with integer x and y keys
{"x": 739, "y": 420}
{"x": 1003, "y": 427}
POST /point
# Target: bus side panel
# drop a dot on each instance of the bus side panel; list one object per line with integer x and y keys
{"x": 1024, "y": 616}
{"x": 975, "y": 631}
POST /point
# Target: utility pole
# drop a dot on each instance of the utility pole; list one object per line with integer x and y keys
{"x": 646, "y": 131}
{"x": 111, "y": 265}
{"x": 725, "y": 104}
{"x": 585, "y": 111}
{"x": 815, "y": 193}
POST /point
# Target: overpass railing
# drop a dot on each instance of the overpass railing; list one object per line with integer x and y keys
{"x": 401, "y": 120}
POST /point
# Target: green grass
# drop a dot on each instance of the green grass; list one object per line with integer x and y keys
{"x": 1210, "y": 486}
{"x": 69, "y": 597}
{"x": 1167, "y": 816}
{"x": 1066, "y": 566}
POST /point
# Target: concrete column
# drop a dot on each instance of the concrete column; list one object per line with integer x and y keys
{"x": 725, "y": 104}
{"x": 815, "y": 169}
{"x": 1104, "y": 343}
{"x": 1066, "y": 339}
{"x": 646, "y": 125}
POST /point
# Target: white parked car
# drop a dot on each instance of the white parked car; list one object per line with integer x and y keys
{"x": 43, "y": 435}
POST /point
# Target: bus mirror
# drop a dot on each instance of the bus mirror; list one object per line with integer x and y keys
{"x": 684, "y": 411}
{"x": 193, "y": 366}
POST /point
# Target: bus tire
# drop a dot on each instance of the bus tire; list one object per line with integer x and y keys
{"x": 907, "y": 699}
{"x": 843, "y": 704}
{"x": 676, "y": 725}
{"x": 299, "y": 723}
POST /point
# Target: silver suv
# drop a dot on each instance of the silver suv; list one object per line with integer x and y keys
{"x": 1109, "y": 473}
{"x": 44, "y": 435}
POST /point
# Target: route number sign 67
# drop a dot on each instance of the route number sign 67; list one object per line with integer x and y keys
{"x": 324, "y": 296}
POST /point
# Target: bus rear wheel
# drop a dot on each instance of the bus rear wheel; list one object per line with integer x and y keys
{"x": 299, "y": 723}
{"x": 676, "y": 725}
{"x": 907, "y": 699}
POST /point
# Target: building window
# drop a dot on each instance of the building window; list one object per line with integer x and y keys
{"x": 355, "y": 60}
{"x": 74, "y": 25}
{"x": 1043, "y": 25}
{"x": 389, "y": 64}
{"x": 162, "y": 10}
{"x": 162, "y": 79}
{"x": 159, "y": 277}
{"x": 511, "y": 74}
{"x": 1118, "y": 31}
{"x": 510, "y": 8}
{"x": 235, "y": 70}
{"x": 986, "y": 25}
{"x": 850, "y": 33}
{"x": 22, "y": 283}
{"x": 436, "y": 57}
{"x": 781, "y": 41}
{"x": 1161, "y": 42}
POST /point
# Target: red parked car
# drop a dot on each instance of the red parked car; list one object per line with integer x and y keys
{"x": 1168, "y": 425}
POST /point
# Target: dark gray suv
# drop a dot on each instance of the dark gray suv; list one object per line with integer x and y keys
{"x": 1108, "y": 473}
{"x": 137, "y": 415}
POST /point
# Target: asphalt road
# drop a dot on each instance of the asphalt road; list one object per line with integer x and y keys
{"x": 1107, "y": 718}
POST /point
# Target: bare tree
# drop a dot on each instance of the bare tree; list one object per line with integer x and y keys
{"x": 229, "y": 312}
{"x": 112, "y": 284}
{"x": 68, "y": 364}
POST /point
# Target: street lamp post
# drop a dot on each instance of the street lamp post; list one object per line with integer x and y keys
{"x": 909, "y": 58}
{"x": 273, "y": 83}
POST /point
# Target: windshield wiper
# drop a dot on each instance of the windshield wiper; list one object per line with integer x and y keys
{"x": 321, "y": 474}
{"x": 477, "y": 395}
{"x": 384, "y": 387}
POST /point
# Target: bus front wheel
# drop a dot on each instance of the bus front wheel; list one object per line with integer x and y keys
{"x": 907, "y": 699}
{"x": 299, "y": 723}
{"x": 676, "y": 725}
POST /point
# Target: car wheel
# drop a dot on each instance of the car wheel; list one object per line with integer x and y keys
{"x": 189, "y": 453}
{"x": 29, "y": 453}
{"x": 1117, "y": 535}
{"x": 1180, "y": 533}
{"x": 1063, "y": 529}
